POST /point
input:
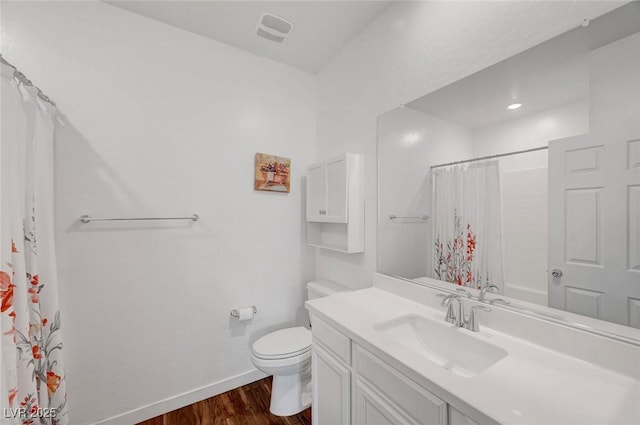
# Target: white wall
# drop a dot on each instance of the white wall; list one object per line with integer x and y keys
{"x": 615, "y": 83}
{"x": 158, "y": 121}
{"x": 412, "y": 49}
{"x": 531, "y": 131}
{"x": 409, "y": 142}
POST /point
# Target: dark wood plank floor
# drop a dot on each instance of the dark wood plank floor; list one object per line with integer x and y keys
{"x": 247, "y": 405}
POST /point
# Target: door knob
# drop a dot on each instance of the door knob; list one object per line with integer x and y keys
{"x": 556, "y": 273}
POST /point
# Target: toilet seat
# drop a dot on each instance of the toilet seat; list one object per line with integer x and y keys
{"x": 282, "y": 363}
{"x": 283, "y": 344}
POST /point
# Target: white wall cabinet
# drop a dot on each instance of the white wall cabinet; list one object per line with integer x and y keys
{"x": 351, "y": 385}
{"x": 328, "y": 192}
{"x": 335, "y": 203}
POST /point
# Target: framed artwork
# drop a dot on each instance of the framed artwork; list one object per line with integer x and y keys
{"x": 272, "y": 173}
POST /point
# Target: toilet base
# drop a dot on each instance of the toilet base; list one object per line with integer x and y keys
{"x": 290, "y": 394}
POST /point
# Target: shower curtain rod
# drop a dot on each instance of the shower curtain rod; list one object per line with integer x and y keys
{"x": 27, "y": 82}
{"x": 500, "y": 155}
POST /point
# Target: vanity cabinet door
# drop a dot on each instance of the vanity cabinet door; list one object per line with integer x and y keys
{"x": 458, "y": 418}
{"x": 414, "y": 403}
{"x": 371, "y": 409}
{"x": 331, "y": 389}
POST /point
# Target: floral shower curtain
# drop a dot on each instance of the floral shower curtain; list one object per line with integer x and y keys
{"x": 467, "y": 226}
{"x": 32, "y": 380}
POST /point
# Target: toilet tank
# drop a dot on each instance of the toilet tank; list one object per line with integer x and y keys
{"x": 323, "y": 288}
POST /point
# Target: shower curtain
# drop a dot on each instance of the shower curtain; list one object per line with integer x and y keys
{"x": 467, "y": 226}
{"x": 32, "y": 379}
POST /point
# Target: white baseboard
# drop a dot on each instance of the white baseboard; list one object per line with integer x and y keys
{"x": 180, "y": 400}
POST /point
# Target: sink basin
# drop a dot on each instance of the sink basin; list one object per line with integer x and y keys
{"x": 448, "y": 346}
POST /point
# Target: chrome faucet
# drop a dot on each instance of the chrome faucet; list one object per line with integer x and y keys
{"x": 453, "y": 316}
{"x": 492, "y": 288}
{"x": 488, "y": 288}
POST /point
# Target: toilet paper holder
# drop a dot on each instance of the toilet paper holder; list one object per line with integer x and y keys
{"x": 236, "y": 314}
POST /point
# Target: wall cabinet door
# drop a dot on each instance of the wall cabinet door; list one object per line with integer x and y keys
{"x": 335, "y": 204}
{"x": 330, "y": 183}
{"x": 371, "y": 409}
{"x": 315, "y": 192}
{"x": 336, "y": 178}
{"x": 331, "y": 389}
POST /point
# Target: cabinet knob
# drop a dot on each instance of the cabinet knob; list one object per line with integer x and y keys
{"x": 322, "y": 212}
{"x": 557, "y": 273}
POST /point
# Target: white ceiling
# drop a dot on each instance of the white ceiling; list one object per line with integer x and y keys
{"x": 321, "y": 28}
{"x": 549, "y": 75}
{"x": 539, "y": 79}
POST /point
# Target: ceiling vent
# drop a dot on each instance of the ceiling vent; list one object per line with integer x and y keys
{"x": 273, "y": 27}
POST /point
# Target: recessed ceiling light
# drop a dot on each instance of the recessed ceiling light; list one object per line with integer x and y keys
{"x": 411, "y": 138}
{"x": 514, "y": 106}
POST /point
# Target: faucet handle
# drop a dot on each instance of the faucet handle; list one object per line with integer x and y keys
{"x": 447, "y": 298}
{"x": 480, "y": 307}
{"x": 451, "y": 314}
{"x": 472, "y": 323}
{"x": 499, "y": 301}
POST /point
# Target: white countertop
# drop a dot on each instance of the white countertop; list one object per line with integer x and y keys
{"x": 532, "y": 385}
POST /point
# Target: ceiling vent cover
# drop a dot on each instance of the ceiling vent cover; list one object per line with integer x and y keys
{"x": 273, "y": 27}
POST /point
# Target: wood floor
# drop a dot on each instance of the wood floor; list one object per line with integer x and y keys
{"x": 247, "y": 405}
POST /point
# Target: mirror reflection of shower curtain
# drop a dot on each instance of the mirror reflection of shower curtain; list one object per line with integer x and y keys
{"x": 467, "y": 226}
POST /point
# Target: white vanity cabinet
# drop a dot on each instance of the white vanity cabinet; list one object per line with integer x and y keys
{"x": 456, "y": 417}
{"x": 331, "y": 405}
{"x": 351, "y": 385}
{"x": 381, "y": 391}
{"x": 335, "y": 203}
{"x": 370, "y": 408}
{"x": 331, "y": 374}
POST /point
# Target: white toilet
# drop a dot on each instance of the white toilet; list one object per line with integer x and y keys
{"x": 286, "y": 354}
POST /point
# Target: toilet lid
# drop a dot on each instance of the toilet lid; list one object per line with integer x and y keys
{"x": 283, "y": 343}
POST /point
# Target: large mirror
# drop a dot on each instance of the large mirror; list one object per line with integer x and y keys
{"x": 526, "y": 176}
